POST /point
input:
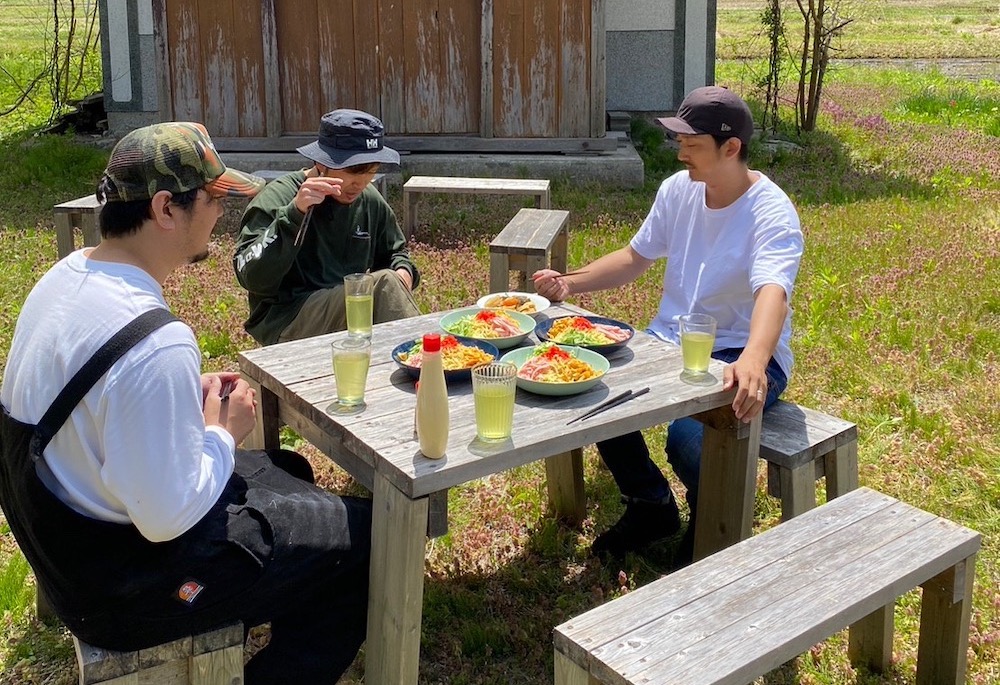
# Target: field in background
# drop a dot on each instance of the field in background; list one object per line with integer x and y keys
{"x": 897, "y": 327}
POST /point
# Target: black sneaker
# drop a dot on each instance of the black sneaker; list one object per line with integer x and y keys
{"x": 642, "y": 524}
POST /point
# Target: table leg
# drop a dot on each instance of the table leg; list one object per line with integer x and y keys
{"x": 728, "y": 481}
{"x": 564, "y": 478}
{"x": 265, "y": 433}
{"x": 396, "y": 586}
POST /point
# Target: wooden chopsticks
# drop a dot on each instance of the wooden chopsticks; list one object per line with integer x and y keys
{"x": 608, "y": 404}
{"x": 303, "y": 226}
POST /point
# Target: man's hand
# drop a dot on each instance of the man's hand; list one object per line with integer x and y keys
{"x": 315, "y": 189}
{"x": 229, "y": 404}
{"x": 405, "y": 277}
{"x": 748, "y": 376}
{"x": 549, "y": 285}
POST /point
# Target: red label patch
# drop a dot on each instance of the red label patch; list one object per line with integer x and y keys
{"x": 189, "y": 591}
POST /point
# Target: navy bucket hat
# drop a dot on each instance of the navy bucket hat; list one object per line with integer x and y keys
{"x": 348, "y": 137}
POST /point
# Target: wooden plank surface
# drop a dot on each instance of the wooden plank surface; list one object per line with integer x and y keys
{"x": 428, "y": 143}
{"x": 793, "y": 435}
{"x": 299, "y": 374}
{"x": 574, "y": 96}
{"x": 469, "y": 184}
{"x": 746, "y": 610}
{"x": 531, "y": 231}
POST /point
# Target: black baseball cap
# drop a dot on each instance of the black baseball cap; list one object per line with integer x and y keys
{"x": 713, "y": 110}
{"x": 348, "y": 137}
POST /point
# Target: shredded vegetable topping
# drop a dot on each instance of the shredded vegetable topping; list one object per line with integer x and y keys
{"x": 576, "y": 330}
{"x": 486, "y": 323}
{"x": 550, "y": 364}
{"x": 454, "y": 355}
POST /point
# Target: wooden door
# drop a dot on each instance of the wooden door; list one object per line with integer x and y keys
{"x": 212, "y": 65}
{"x": 413, "y": 63}
{"x": 541, "y": 68}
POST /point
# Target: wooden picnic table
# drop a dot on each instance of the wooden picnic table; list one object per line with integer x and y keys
{"x": 295, "y": 386}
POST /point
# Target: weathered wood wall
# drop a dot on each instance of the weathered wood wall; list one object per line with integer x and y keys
{"x": 487, "y": 68}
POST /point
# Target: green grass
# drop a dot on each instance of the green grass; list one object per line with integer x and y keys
{"x": 897, "y": 328}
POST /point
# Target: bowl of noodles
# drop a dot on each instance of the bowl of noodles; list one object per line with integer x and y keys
{"x": 526, "y": 303}
{"x": 550, "y": 369}
{"x": 501, "y": 327}
{"x": 458, "y": 354}
{"x": 595, "y": 333}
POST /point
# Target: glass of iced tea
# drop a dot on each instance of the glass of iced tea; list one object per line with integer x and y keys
{"x": 493, "y": 389}
{"x": 351, "y": 357}
{"x": 697, "y": 340}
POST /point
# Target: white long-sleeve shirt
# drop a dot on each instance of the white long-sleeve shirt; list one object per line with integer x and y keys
{"x": 136, "y": 449}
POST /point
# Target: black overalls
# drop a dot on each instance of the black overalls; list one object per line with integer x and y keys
{"x": 273, "y": 548}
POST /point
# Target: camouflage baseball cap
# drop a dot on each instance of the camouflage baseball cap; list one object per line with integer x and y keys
{"x": 172, "y": 156}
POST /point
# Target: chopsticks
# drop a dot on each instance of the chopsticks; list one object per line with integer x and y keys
{"x": 608, "y": 404}
{"x": 303, "y": 226}
{"x": 571, "y": 273}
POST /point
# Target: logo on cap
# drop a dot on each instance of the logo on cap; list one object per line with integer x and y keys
{"x": 726, "y": 127}
{"x": 372, "y": 143}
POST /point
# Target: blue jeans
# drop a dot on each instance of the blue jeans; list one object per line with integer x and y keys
{"x": 627, "y": 456}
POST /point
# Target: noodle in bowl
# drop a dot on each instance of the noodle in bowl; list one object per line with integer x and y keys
{"x": 458, "y": 354}
{"x": 550, "y": 369}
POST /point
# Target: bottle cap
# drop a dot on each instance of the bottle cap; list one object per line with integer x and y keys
{"x": 432, "y": 342}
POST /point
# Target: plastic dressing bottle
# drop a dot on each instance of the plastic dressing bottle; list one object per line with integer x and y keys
{"x": 432, "y": 400}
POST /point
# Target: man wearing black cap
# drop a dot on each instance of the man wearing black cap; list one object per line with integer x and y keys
{"x": 732, "y": 243}
{"x": 309, "y": 229}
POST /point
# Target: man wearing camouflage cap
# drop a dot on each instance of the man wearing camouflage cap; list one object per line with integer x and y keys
{"x": 125, "y": 491}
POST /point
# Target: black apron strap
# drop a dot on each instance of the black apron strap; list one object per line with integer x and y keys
{"x": 91, "y": 372}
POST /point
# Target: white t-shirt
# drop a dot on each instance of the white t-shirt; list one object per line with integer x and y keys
{"x": 136, "y": 449}
{"x": 718, "y": 258}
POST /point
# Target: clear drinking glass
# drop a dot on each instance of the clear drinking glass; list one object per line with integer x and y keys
{"x": 493, "y": 389}
{"x": 359, "y": 301}
{"x": 697, "y": 340}
{"x": 351, "y": 357}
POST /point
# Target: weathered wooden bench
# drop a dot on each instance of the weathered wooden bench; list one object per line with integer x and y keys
{"x": 534, "y": 239}
{"x": 802, "y": 445}
{"x": 211, "y": 658}
{"x": 80, "y": 213}
{"x": 742, "y": 612}
{"x": 416, "y": 185}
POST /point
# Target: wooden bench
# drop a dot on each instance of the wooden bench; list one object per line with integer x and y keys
{"x": 800, "y": 446}
{"x": 742, "y": 612}
{"x": 80, "y": 213}
{"x": 211, "y": 658}
{"x": 457, "y": 184}
{"x": 526, "y": 244}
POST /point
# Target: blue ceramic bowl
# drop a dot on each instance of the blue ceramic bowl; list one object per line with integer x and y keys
{"x": 542, "y": 333}
{"x": 455, "y": 375}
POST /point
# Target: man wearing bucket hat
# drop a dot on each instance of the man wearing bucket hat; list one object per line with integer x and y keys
{"x": 119, "y": 473}
{"x": 309, "y": 229}
{"x": 732, "y": 243}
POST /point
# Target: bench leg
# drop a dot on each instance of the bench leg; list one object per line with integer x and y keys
{"x": 265, "y": 433}
{"x": 91, "y": 233}
{"x": 944, "y": 625}
{"x": 841, "y": 467}
{"x": 560, "y": 252}
{"x": 532, "y": 264}
{"x": 564, "y": 479}
{"x": 409, "y": 213}
{"x": 43, "y": 608}
{"x": 798, "y": 490}
{"x": 870, "y": 640}
{"x": 544, "y": 200}
{"x": 499, "y": 272}
{"x": 569, "y": 673}
{"x": 64, "y": 234}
